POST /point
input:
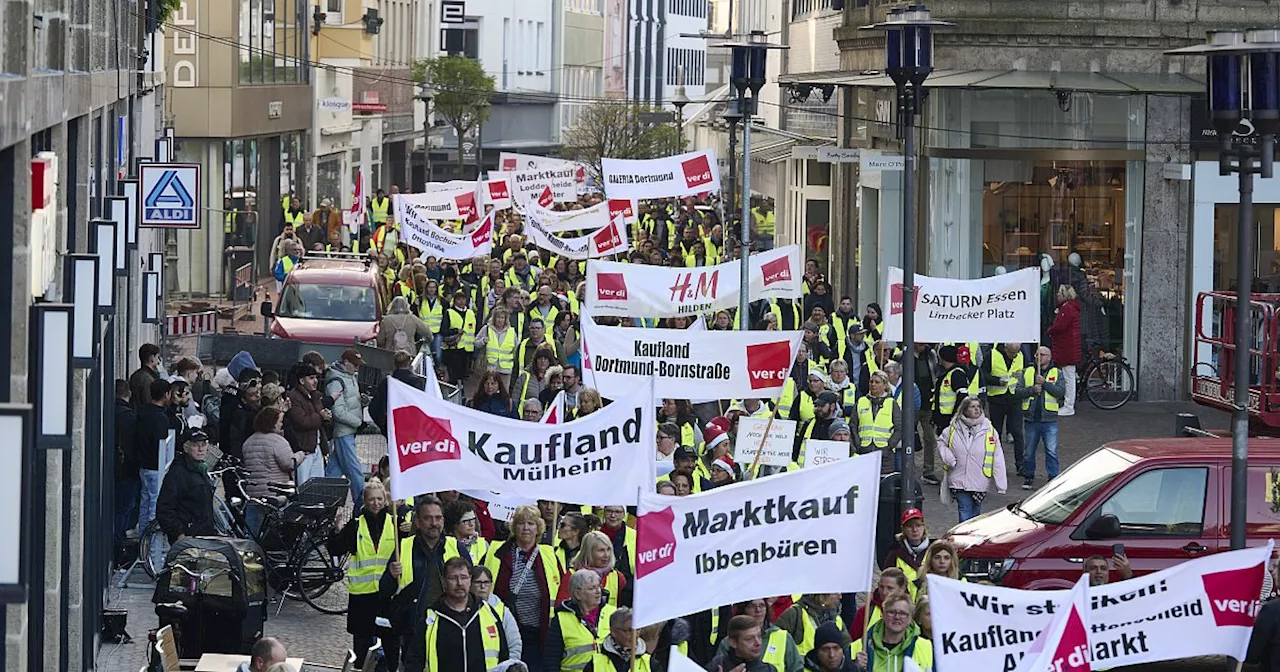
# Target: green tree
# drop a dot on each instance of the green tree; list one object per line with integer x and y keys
{"x": 620, "y": 130}
{"x": 461, "y": 93}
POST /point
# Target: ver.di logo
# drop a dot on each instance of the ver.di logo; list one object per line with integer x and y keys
{"x": 421, "y": 438}
{"x": 1233, "y": 595}
{"x": 768, "y": 363}
{"x": 611, "y": 287}
{"x": 655, "y": 541}
{"x": 697, "y": 171}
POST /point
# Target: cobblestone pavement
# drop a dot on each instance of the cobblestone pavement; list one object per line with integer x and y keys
{"x": 322, "y": 639}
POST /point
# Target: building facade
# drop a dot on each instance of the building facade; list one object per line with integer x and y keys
{"x": 1056, "y": 136}
{"x": 241, "y": 102}
{"x": 84, "y": 101}
{"x": 664, "y": 39}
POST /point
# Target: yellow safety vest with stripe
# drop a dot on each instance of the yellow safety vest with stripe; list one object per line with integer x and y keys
{"x": 477, "y": 550}
{"x": 790, "y": 398}
{"x": 293, "y": 219}
{"x": 808, "y": 629}
{"x": 1029, "y": 379}
{"x": 406, "y": 560}
{"x": 379, "y": 210}
{"x": 229, "y": 221}
{"x": 841, "y": 325}
{"x": 579, "y": 642}
{"x": 774, "y": 651}
{"x": 432, "y": 313}
{"x": 912, "y": 574}
{"x": 602, "y": 663}
{"x": 550, "y": 567}
{"x": 369, "y": 561}
{"x": 521, "y": 364}
{"x": 548, "y": 321}
{"x": 874, "y": 429}
{"x": 1000, "y": 368}
{"x": 513, "y": 280}
{"x": 287, "y": 263}
{"x": 849, "y": 397}
{"x": 764, "y": 221}
{"x": 490, "y": 637}
{"x": 920, "y": 650}
{"x": 500, "y": 351}
{"x": 869, "y": 361}
{"x": 467, "y": 323}
{"x": 945, "y": 403}
{"x": 989, "y": 455}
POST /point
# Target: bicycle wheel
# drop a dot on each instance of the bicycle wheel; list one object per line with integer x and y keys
{"x": 1110, "y": 384}
{"x": 153, "y": 546}
{"x": 321, "y": 577}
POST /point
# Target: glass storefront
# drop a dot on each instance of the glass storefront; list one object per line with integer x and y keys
{"x": 1266, "y": 260}
{"x": 1021, "y": 179}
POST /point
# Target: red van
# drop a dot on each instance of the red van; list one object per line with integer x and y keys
{"x": 1164, "y": 500}
{"x": 332, "y": 299}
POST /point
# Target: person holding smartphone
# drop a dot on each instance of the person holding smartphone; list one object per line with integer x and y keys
{"x": 1099, "y": 569}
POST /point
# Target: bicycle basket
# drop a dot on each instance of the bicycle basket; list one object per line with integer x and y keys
{"x": 332, "y": 492}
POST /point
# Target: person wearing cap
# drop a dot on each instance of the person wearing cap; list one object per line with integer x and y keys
{"x": 458, "y": 336}
{"x": 951, "y": 386}
{"x": 803, "y": 618}
{"x": 908, "y": 547}
{"x": 828, "y": 654}
{"x": 521, "y": 275}
{"x": 341, "y": 385}
{"x": 330, "y": 220}
{"x": 308, "y": 415}
{"x": 838, "y": 382}
{"x": 842, "y": 322}
{"x": 819, "y": 350}
{"x": 716, "y": 434}
{"x": 798, "y": 406}
{"x": 824, "y": 413}
{"x": 722, "y": 471}
{"x": 185, "y": 505}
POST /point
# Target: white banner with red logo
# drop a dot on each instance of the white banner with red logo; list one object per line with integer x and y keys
{"x": 1202, "y": 607}
{"x": 1063, "y": 645}
{"x": 640, "y": 290}
{"x": 514, "y": 161}
{"x": 667, "y": 177}
{"x": 433, "y": 241}
{"x": 527, "y": 185}
{"x": 687, "y": 363}
{"x": 605, "y": 458}
{"x": 999, "y": 309}
{"x": 625, "y": 207}
{"x": 807, "y": 531}
{"x": 559, "y": 221}
{"x": 452, "y": 203}
{"x": 497, "y": 192}
{"x": 612, "y": 239}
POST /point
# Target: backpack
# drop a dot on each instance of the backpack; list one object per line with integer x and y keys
{"x": 211, "y": 404}
{"x": 400, "y": 340}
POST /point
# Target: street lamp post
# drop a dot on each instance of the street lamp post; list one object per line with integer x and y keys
{"x": 425, "y": 93}
{"x": 679, "y": 99}
{"x": 731, "y": 117}
{"x": 1243, "y": 73}
{"x": 908, "y": 46}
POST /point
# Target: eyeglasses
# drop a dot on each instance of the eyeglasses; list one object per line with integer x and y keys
{"x": 898, "y": 614}
{"x": 481, "y": 583}
{"x": 468, "y": 519}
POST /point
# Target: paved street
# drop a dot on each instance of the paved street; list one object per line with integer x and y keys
{"x": 323, "y": 639}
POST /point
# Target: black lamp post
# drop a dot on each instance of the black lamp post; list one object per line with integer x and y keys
{"x": 731, "y": 117}
{"x": 425, "y": 93}
{"x": 908, "y": 47}
{"x": 1243, "y": 81}
{"x": 679, "y": 99}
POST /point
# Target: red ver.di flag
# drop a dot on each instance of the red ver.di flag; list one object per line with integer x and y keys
{"x": 808, "y": 531}
{"x": 602, "y": 459}
{"x": 667, "y": 177}
{"x": 1064, "y": 645}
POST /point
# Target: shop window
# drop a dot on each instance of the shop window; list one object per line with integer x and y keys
{"x": 1266, "y": 259}
{"x": 818, "y": 174}
{"x": 817, "y": 231}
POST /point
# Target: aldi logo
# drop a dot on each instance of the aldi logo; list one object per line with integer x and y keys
{"x": 170, "y": 195}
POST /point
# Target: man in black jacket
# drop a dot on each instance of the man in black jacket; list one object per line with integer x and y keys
{"x": 378, "y": 405}
{"x": 185, "y": 505}
{"x": 1264, "y": 645}
{"x": 153, "y": 431}
{"x": 459, "y": 630}
{"x": 127, "y": 477}
{"x": 745, "y": 647}
{"x": 140, "y": 381}
{"x": 425, "y": 551}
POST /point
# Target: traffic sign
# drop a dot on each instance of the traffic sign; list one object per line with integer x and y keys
{"x": 170, "y": 195}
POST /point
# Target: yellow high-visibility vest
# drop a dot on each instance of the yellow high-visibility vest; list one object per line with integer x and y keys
{"x": 874, "y": 429}
{"x": 287, "y": 263}
{"x": 476, "y": 551}
{"x": 521, "y": 364}
{"x": 945, "y": 403}
{"x": 580, "y": 642}
{"x": 920, "y": 650}
{"x": 490, "y": 637}
{"x": 989, "y": 455}
{"x": 229, "y": 221}
{"x": 466, "y": 322}
{"x": 367, "y": 564}
{"x": 432, "y": 313}
{"x": 550, "y": 568}
{"x": 379, "y": 210}
{"x": 808, "y": 629}
{"x": 293, "y": 219}
{"x": 775, "y": 649}
{"x": 1000, "y": 368}
{"x": 1050, "y": 376}
{"x": 501, "y": 350}
{"x": 406, "y": 561}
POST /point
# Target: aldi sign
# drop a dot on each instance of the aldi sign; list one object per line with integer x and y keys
{"x": 170, "y": 195}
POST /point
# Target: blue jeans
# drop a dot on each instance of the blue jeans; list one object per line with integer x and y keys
{"x": 969, "y": 507}
{"x": 343, "y": 462}
{"x": 253, "y": 517}
{"x": 150, "y": 488}
{"x": 1035, "y": 431}
{"x": 126, "y": 508}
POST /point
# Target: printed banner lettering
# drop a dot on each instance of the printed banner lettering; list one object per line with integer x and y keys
{"x": 639, "y": 290}
{"x": 527, "y": 185}
{"x": 688, "y": 364}
{"x": 776, "y": 450}
{"x": 453, "y": 203}
{"x": 807, "y": 531}
{"x": 559, "y": 221}
{"x": 667, "y": 177}
{"x": 605, "y": 458}
{"x": 1202, "y": 607}
{"x": 612, "y": 239}
{"x": 998, "y": 309}
{"x": 497, "y": 193}
{"x": 513, "y": 161}
{"x": 818, "y": 452}
{"x": 1063, "y": 646}
{"x": 433, "y": 241}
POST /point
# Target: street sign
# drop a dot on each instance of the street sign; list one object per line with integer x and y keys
{"x": 882, "y": 162}
{"x": 838, "y": 155}
{"x": 453, "y": 11}
{"x": 170, "y": 195}
{"x": 335, "y": 104}
{"x": 368, "y": 108}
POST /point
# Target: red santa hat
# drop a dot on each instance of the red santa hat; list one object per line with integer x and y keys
{"x": 715, "y": 433}
{"x": 725, "y": 463}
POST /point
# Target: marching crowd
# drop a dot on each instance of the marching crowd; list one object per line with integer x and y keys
{"x": 445, "y": 585}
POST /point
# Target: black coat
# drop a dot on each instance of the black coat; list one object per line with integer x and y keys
{"x": 235, "y": 424}
{"x": 185, "y": 504}
{"x": 1264, "y": 645}
{"x": 126, "y": 442}
{"x": 728, "y": 661}
{"x": 153, "y": 428}
{"x": 378, "y": 405}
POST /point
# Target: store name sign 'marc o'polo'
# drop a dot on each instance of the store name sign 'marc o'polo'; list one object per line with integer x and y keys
{"x": 170, "y": 195}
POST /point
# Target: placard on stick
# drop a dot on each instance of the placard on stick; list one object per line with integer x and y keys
{"x": 777, "y": 447}
{"x": 818, "y": 452}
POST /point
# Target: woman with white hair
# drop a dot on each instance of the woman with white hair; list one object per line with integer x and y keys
{"x": 970, "y": 447}
{"x": 400, "y": 329}
{"x": 581, "y": 624}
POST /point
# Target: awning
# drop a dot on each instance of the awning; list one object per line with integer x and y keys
{"x": 774, "y": 145}
{"x": 1096, "y": 82}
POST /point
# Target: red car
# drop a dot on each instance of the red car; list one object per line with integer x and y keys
{"x": 1164, "y": 500}
{"x": 330, "y": 300}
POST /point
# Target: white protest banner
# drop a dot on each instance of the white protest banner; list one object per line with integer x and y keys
{"x": 602, "y": 459}
{"x": 818, "y": 452}
{"x": 513, "y": 161}
{"x": 526, "y": 185}
{"x": 444, "y": 204}
{"x": 807, "y": 531}
{"x": 667, "y": 177}
{"x": 622, "y": 206}
{"x": 777, "y": 446}
{"x": 640, "y": 290}
{"x": 451, "y": 185}
{"x": 682, "y": 663}
{"x": 434, "y": 241}
{"x": 559, "y": 221}
{"x": 501, "y": 507}
{"x": 555, "y": 410}
{"x": 1202, "y": 607}
{"x": 1063, "y": 646}
{"x": 688, "y": 364}
{"x": 612, "y": 239}
{"x": 497, "y": 193}
{"x": 998, "y": 309}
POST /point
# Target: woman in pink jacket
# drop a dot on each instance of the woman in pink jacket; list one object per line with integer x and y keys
{"x": 970, "y": 449}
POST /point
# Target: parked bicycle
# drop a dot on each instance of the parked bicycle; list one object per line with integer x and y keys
{"x": 1105, "y": 379}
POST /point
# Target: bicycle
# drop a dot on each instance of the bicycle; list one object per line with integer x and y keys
{"x": 1105, "y": 379}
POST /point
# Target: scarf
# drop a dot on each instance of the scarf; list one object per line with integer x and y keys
{"x": 917, "y": 549}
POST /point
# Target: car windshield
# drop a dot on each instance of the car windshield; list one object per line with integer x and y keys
{"x": 1055, "y": 502}
{"x": 329, "y": 302}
